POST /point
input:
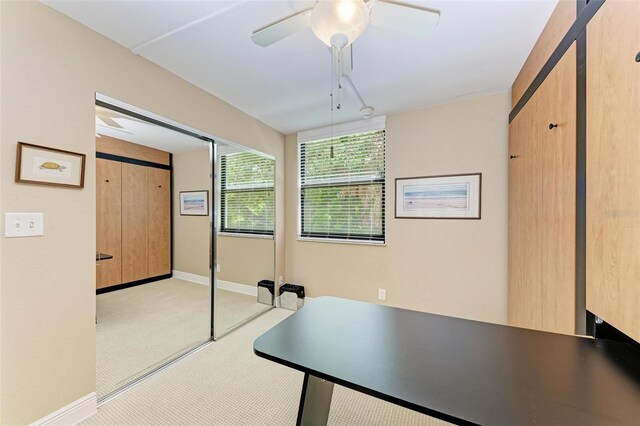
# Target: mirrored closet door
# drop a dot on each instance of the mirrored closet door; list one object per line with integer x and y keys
{"x": 153, "y": 243}
{"x": 181, "y": 258}
{"x": 244, "y": 246}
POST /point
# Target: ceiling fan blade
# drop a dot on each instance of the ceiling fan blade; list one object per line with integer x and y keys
{"x": 272, "y": 33}
{"x": 107, "y": 116}
{"x": 404, "y": 18}
{"x": 108, "y": 121}
{"x": 113, "y": 128}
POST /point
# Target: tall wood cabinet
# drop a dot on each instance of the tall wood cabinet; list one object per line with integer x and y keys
{"x": 159, "y": 221}
{"x": 613, "y": 165}
{"x": 542, "y": 190}
{"x": 109, "y": 221}
{"x": 133, "y": 213}
{"x": 135, "y": 223}
{"x": 574, "y": 189}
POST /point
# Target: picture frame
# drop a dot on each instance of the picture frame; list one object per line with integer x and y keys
{"x": 439, "y": 197}
{"x": 42, "y": 165}
{"x": 194, "y": 203}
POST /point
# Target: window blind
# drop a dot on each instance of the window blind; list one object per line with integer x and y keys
{"x": 342, "y": 187}
{"x": 247, "y": 193}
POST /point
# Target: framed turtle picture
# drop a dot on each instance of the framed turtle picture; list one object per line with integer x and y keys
{"x": 49, "y": 166}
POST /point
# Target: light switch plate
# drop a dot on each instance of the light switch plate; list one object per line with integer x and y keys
{"x": 23, "y": 225}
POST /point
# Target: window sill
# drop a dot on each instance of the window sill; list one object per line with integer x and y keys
{"x": 234, "y": 234}
{"x": 341, "y": 241}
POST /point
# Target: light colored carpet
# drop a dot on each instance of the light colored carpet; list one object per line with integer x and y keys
{"x": 227, "y": 384}
{"x": 233, "y": 308}
{"x": 141, "y": 327}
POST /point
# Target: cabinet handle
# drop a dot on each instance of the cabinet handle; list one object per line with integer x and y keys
{"x": 511, "y": 157}
{"x": 159, "y": 186}
{"x": 638, "y": 57}
{"x": 551, "y": 126}
{"x": 107, "y": 180}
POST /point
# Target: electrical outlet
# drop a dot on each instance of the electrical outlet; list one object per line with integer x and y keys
{"x": 280, "y": 280}
{"x": 217, "y": 267}
{"x": 382, "y": 294}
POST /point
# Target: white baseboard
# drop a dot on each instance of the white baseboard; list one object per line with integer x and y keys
{"x": 198, "y": 279}
{"x": 71, "y": 414}
{"x": 238, "y": 288}
{"x": 222, "y": 284}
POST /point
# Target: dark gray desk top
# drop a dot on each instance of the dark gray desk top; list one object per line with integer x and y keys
{"x": 462, "y": 371}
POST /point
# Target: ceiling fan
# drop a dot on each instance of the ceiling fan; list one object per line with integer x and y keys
{"x": 106, "y": 118}
{"x": 107, "y": 121}
{"x": 338, "y": 23}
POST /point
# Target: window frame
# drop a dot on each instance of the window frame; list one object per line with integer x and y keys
{"x": 238, "y": 232}
{"x": 338, "y": 237}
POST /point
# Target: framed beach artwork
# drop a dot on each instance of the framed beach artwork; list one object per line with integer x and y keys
{"x": 49, "y": 166}
{"x": 194, "y": 203}
{"x": 439, "y": 197}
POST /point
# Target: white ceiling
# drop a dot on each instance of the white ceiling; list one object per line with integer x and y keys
{"x": 478, "y": 47}
{"x": 145, "y": 133}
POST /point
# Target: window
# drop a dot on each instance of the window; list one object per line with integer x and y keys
{"x": 246, "y": 193}
{"x": 342, "y": 186}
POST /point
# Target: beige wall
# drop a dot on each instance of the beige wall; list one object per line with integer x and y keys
{"x": 1, "y": 222}
{"x": 191, "y": 245}
{"x": 245, "y": 260}
{"x": 51, "y": 68}
{"x": 452, "y": 267}
{"x": 242, "y": 260}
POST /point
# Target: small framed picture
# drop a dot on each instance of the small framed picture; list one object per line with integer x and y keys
{"x": 49, "y": 166}
{"x": 194, "y": 203}
{"x": 439, "y": 197}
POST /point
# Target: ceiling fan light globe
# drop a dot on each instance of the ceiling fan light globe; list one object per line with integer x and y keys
{"x": 348, "y": 17}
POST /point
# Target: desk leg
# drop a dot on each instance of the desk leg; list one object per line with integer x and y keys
{"x": 315, "y": 401}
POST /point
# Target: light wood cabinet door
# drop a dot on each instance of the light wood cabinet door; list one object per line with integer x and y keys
{"x": 108, "y": 222}
{"x": 135, "y": 225}
{"x": 558, "y": 220}
{"x": 159, "y": 202}
{"x": 542, "y": 190}
{"x": 525, "y": 281}
{"x": 613, "y": 171}
{"x": 525, "y": 233}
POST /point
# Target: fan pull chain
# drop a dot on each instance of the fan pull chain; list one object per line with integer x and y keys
{"x": 333, "y": 79}
{"x": 339, "y": 74}
{"x": 333, "y": 53}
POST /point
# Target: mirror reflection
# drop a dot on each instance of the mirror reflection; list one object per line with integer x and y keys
{"x": 159, "y": 249}
{"x": 153, "y": 299}
{"x": 245, "y": 249}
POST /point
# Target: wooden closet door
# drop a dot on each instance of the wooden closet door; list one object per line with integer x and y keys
{"x": 525, "y": 182}
{"x": 159, "y": 205}
{"x": 108, "y": 221}
{"x": 558, "y": 220}
{"x": 135, "y": 223}
{"x": 542, "y": 205}
{"x": 613, "y": 172}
